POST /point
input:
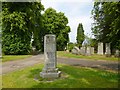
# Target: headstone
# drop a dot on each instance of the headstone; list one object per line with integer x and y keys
{"x": 50, "y": 70}
{"x": 76, "y": 50}
{"x": 67, "y": 50}
{"x": 100, "y": 48}
{"x": 92, "y": 50}
{"x": 108, "y": 51}
{"x": 0, "y": 46}
{"x": 83, "y": 50}
{"x": 0, "y": 50}
{"x": 88, "y": 51}
{"x": 117, "y": 53}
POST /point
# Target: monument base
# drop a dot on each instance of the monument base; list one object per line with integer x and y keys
{"x": 50, "y": 74}
{"x": 108, "y": 55}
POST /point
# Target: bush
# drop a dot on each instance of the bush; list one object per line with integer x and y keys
{"x": 14, "y": 45}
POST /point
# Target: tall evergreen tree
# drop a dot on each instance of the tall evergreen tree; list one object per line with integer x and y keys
{"x": 80, "y": 35}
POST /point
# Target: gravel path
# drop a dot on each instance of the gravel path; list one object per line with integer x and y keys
{"x": 19, "y": 64}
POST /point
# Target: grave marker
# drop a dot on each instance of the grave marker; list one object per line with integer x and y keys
{"x": 50, "y": 70}
{"x": 100, "y": 48}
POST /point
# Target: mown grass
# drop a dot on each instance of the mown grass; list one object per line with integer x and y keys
{"x": 92, "y": 57}
{"x": 14, "y": 57}
{"x": 71, "y": 77}
{"x": 0, "y": 82}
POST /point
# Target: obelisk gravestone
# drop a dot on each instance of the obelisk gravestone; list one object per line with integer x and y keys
{"x": 50, "y": 70}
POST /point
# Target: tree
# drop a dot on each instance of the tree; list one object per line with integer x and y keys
{"x": 56, "y": 23}
{"x": 80, "y": 35}
{"x": 19, "y": 21}
{"x": 106, "y": 26}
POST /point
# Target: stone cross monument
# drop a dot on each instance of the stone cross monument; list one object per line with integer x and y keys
{"x": 50, "y": 70}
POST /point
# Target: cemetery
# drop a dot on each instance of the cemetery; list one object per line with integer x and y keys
{"x": 37, "y": 51}
{"x": 47, "y": 74}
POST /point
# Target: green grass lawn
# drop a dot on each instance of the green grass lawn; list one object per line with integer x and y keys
{"x": 93, "y": 57}
{"x": 71, "y": 77}
{"x": 14, "y": 57}
{"x": 0, "y": 82}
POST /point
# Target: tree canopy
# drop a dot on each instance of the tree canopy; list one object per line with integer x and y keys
{"x": 106, "y": 26}
{"x": 19, "y": 21}
{"x": 56, "y": 23}
{"x": 22, "y": 21}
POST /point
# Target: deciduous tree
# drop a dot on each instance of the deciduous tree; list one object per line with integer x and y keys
{"x": 19, "y": 21}
{"x": 56, "y": 23}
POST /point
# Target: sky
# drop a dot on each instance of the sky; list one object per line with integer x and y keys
{"x": 77, "y": 11}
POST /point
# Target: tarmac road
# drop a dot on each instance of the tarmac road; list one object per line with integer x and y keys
{"x": 19, "y": 64}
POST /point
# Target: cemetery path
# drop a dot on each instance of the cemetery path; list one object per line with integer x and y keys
{"x": 19, "y": 64}
{"x": 101, "y": 64}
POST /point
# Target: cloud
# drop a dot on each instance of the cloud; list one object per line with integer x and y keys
{"x": 74, "y": 21}
{"x": 67, "y": 0}
{"x": 76, "y": 11}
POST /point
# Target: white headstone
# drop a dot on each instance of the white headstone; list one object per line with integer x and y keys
{"x": 100, "y": 48}
{"x": 117, "y": 53}
{"x": 83, "y": 50}
{"x": 92, "y": 50}
{"x": 50, "y": 70}
{"x": 0, "y": 49}
{"x": 67, "y": 50}
{"x": 108, "y": 51}
{"x": 88, "y": 51}
{"x": 76, "y": 50}
{"x": 0, "y": 46}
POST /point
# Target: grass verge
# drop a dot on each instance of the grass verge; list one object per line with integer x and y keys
{"x": 14, "y": 57}
{"x": 92, "y": 57}
{"x": 71, "y": 77}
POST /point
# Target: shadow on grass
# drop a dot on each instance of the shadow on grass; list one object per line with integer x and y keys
{"x": 76, "y": 77}
{"x": 114, "y": 67}
{"x": 34, "y": 73}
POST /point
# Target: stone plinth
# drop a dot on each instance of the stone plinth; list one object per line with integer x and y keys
{"x": 100, "y": 48}
{"x": 50, "y": 70}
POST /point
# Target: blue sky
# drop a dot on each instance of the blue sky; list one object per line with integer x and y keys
{"x": 77, "y": 11}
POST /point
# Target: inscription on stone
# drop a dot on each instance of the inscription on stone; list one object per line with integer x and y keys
{"x": 50, "y": 70}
